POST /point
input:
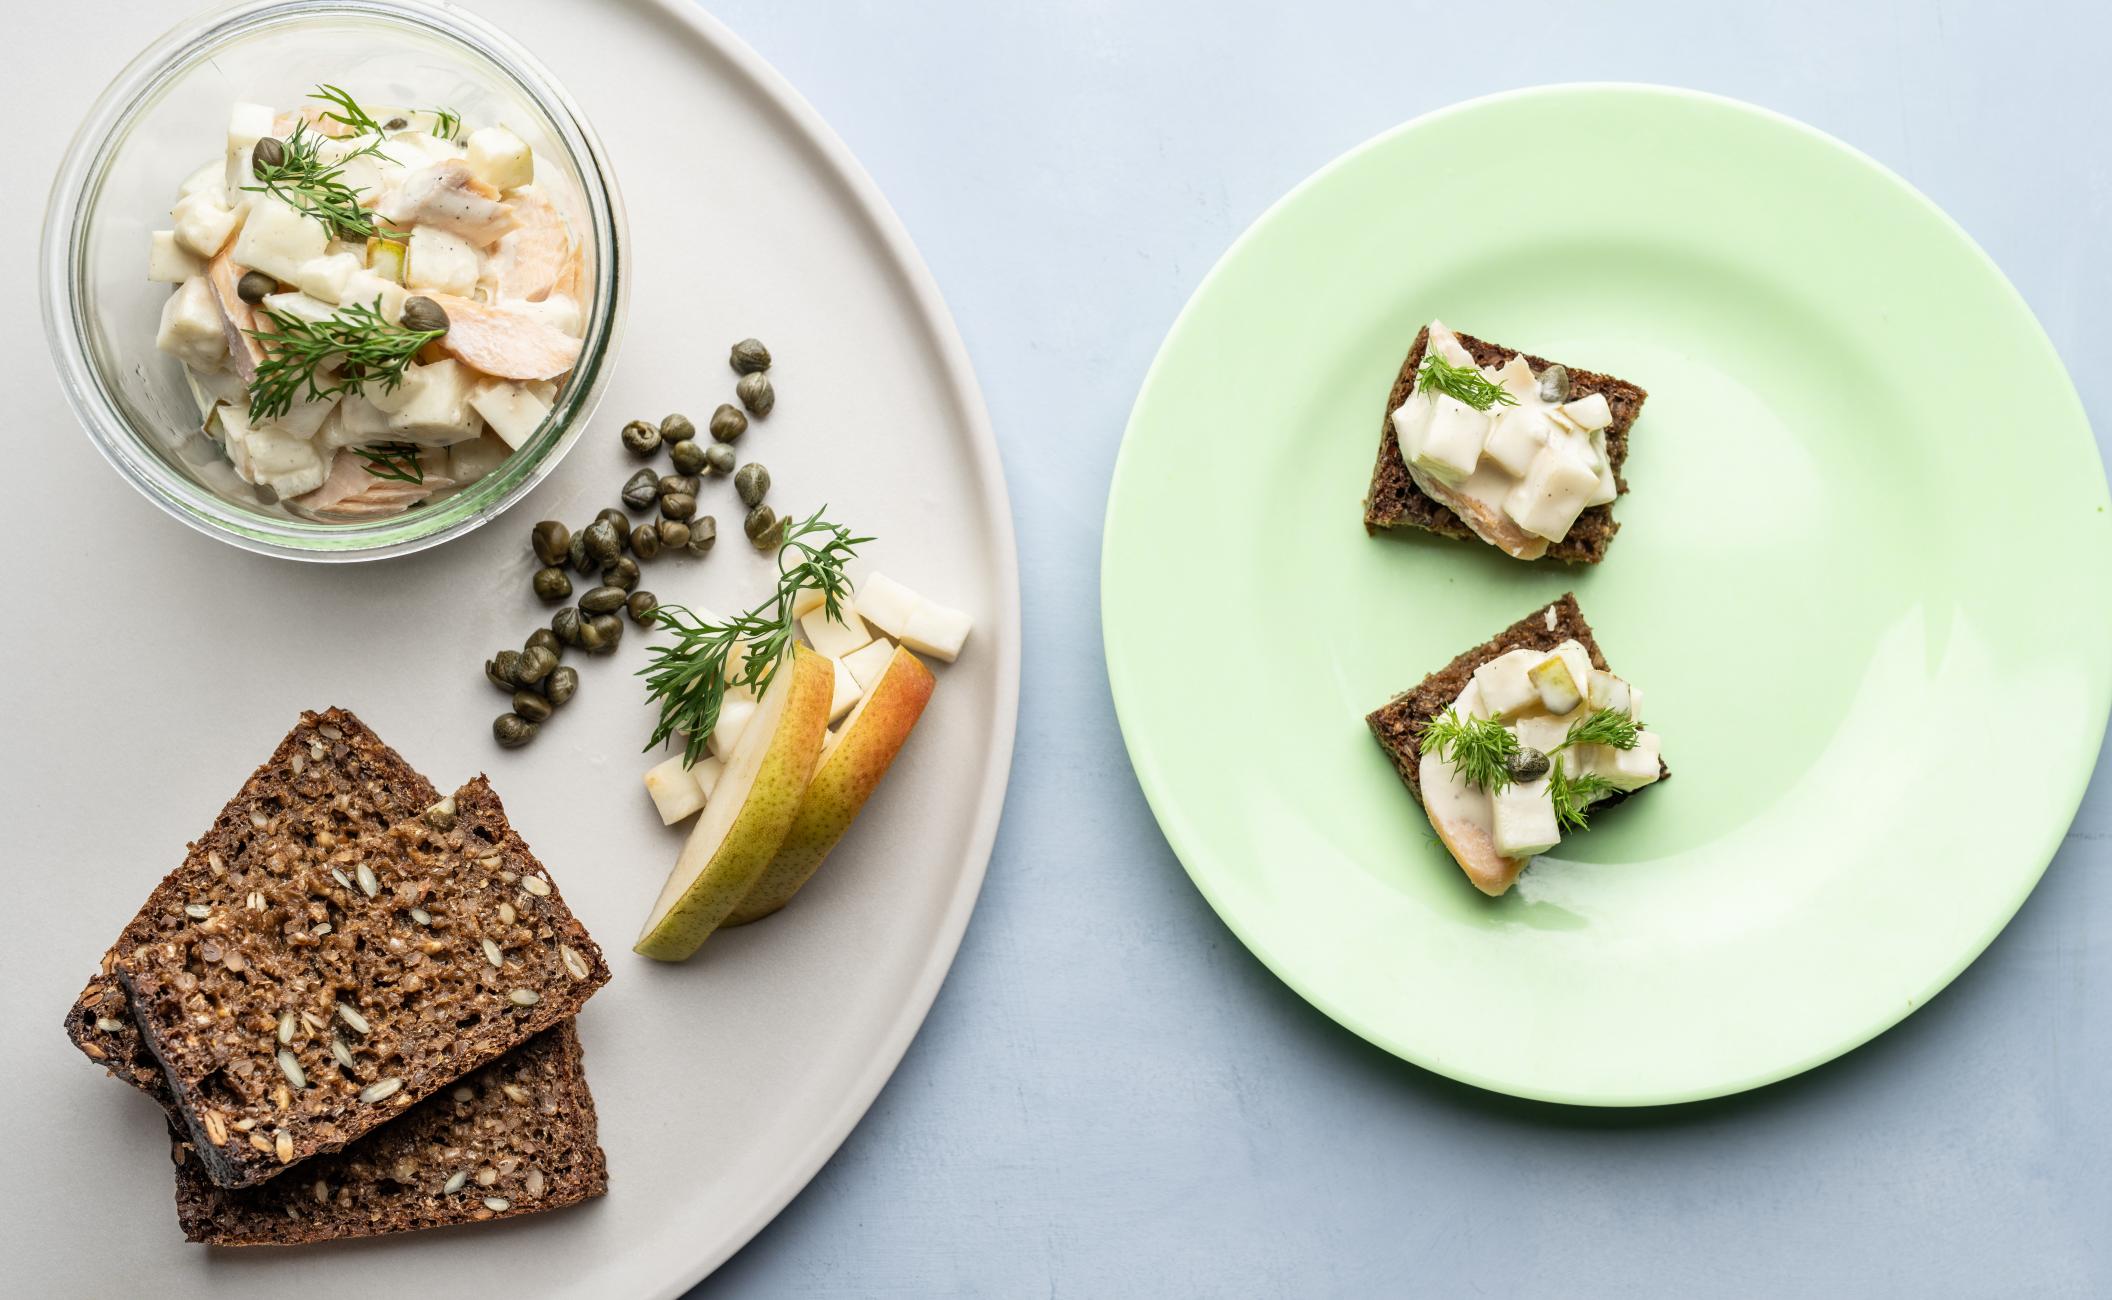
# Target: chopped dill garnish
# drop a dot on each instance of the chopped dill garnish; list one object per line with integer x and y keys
{"x": 1479, "y": 749}
{"x": 1466, "y": 383}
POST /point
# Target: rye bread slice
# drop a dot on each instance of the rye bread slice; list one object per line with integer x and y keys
{"x": 519, "y": 1134}
{"x": 1398, "y": 726}
{"x": 331, "y": 782}
{"x": 1396, "y": 502}
{"x": 246, "y": 1007}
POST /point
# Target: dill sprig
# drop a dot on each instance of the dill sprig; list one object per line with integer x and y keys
{"x": 1603, "y": 727}
{"x": 348, "y": 113}
{"x": 357, "y": 339}
{"x": 689, "y": 677}
{"x": 1572, "y": 795}
{"x": 398, "y": 462}
{"x": 1479, "y": 749}
{"x": 447, "y": 123}
{"x": 304, "y": 182}
{"x": 1466, "y": 383}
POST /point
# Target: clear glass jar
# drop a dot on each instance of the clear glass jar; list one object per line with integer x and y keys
{"x": 148, "y": 131}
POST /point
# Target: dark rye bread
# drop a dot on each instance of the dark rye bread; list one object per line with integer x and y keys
{"x": 516, "y": 1137}
{"x": 251, "y": 1013}
{"x": 330, "y": 783}
{"x": 1399, "y": 725}
{"x": 1396, "y": 502}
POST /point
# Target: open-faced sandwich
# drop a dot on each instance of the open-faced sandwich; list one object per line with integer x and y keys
{"x": 1482, "y": 441}
{"x": 1517, "y": 741}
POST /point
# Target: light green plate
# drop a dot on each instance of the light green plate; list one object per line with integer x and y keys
{"x": 1861, "y": 577}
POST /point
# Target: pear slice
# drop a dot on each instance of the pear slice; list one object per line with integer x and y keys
{"x": 754, "y": 804}
{"x": 849, "y": 772}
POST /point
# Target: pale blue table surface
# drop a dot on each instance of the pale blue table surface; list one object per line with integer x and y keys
{"x": 1111, "y": 1096}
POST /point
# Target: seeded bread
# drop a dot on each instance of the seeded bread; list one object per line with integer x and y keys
{"x": 1396, "y": 502}
{"x": 279, "y": 1043}
{"x": 1398, "y": 726}
{"x": 516, "y": 1137}
{"x": 330, "y": 783}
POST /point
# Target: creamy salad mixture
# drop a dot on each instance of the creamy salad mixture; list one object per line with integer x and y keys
{"x": 374, "y": 305}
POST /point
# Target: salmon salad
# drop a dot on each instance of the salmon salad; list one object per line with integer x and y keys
{"x": 375, "y": 306}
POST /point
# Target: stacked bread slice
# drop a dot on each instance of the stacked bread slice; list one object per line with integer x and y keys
{"x": 354, "y": 999}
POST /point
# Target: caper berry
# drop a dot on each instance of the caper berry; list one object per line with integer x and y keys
{"x": 641, "y": 438}
{"x": 512, "y": 730}
{"x": 677, "y": 428}
{"x": 1528, "y": 764}
{"x": 500, "y": 668}
{"x": 703, "y": 533}
{"x": 718, "y": 459}
{"x": 531, "y": 706}
{"x": 552, "y": 585}
{"x": 756, "y": 394}
{"x": 566, "y": 623}
{"x": 673, "y": 483}
{"x": 759, "y": 524}
{"x": 266, "y": 154}
{"x": 609, "y": 629}
{"x": 1554, "y": 383}
{"x": 602, "y": 543}
{"x": 640, "y": 490}
{"x": 559, "y": 685}
{"x": 255, "y": 286}
{"x": 624, "y": 573}
{"x": 687, "y": 456}
{"x": 422, "y": 315}
{"x": 748, "y": 356}
{"x": 752, "y": 484}
{"x": 678, "y": 505}
{"x": 547, "y": 639}
{"x": 645, "y": 541}
{"x": 534, "y": 665}
{"x": 727, "y": 423}
{"x": 601, "y": 600}
{"x": 552, "y": 541}
{"x": 673, "y": 533}
{"x": 577, "y": 552}
{"x": 641, "y": 606}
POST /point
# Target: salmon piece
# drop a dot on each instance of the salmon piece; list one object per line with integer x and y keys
{"x": 1489, "y": 524}
{"x": 236, "y": 316}
{"x": 351, "y": 492}
{"x": 538, "y": 254}
{"x": 447, "y": 196}
{"x": 503, "y": 343}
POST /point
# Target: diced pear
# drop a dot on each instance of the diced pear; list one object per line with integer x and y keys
{"x": 847, "y": 692}
{"x": 866, "y": 664}
{"x": 887, "y": 604}
{"x": 674, "y": 790}
{"x": 1560, "y": 678}
{"x": 836, "y": 637}
{"x": 1552, "y": 494}
{"x": 707, "y": 773}
{"x": 203, "y": 222}
{"x": 500, "y": 159}
{"x": 1523, "y": 819}
{"x": 1505, "y": 689}
{"x": 277, "y": 240}
{"x": 937, "y": 631}
{"x": 513, "y": 412}
{"x": 169, "y": 262}
{"x": 1516, "y": 437}
{"x": 190, "y": 327}
{"x": 1629, "y": 769}
{"x": 440, "y": 261}
{"x": 325, "y": 277}
{"x": 385, "y": 259}
{"x": 733, "y": 720}
{"x": 808, "y": 598}
{"x": 1607, "y": 692}
{"x": 1589, "y": 413}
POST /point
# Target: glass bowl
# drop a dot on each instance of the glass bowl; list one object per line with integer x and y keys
{"x": 148, "y": 131}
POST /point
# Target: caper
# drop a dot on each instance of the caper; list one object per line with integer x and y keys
{"x": 641, "y": 606}
{"x": 255, "y": 286}
{"x": 267, "y": 153}
{"x": 752, "y": 484}
{"x": 673, "y": 483}
{"x": 718, "y": 459}
{"x": 577, "y": 552}
{"x": 624, "y": 573}
{"x": 531, "y": 706}
{"x": 534, "y": 665}
{"x": 609, "y": 629}
{"x": 687, "y": 456}
{"x": 552, "y": 585}
{"x": 759, "y": 524}
{"x": 566, "y": 624}
{"x": 678, "y": 505}
{"x": 645, "y": 541}
{"x": 601, "y": 600}
{"x": 617, "y": 520}
{"x": 552, "y": 540}
{"x": 756, "y": 394}
{"x": 1554, "y": 383}
{"x": 703, "y": 533}
{"x": 547, "y": 639}
{"x": 422, "y": 315}
{"x": 748, "y": 356}
{"x": 559, "y": 685}
{"x": 500, "y": 668}
{"x": 590, "y": 637}
{"x": 727, "y": 423}
{"x": 512, "y": 730}
{"x": 602, "y": 543}
{"x": 642, "y": 438}
{"x": 677, "y": 428}
{"x": 673, "y": 533}
{"x": 1528, "y": 764}
{"x": 640, "y": 490}
{"x": 395, "y": 124}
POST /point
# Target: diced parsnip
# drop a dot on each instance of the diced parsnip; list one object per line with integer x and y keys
{"x": 169, "y": 262}
{"x": 440, "y": 262}
{"x": 867, "y": 663}
{"x": 325, "y": 277}
{"x": 499, "y": 158}
{"x": 1589, "y": 413}
{"x": 1552, "y": 494}
{"x": 887, "y": 604}
{"x": 277, "y": 240}
{"x": 937, "y": 631}
{"x": 190, "y": 327}
{"x": 835, "y": 637}
{"x": 203, "y": 222}
{"x": 1523, "y": 817}
{"x": 513, "y": 412}
{"x": 368, "y": 289}
{"x": 847, "y": 693}
{"x": 300, "y": 306}
{"x": 674, "y": 790}
{"x": 431, "y": 405}
{"x": 247, "y": 124}
{"x": 707, "y": 773}
{"x": 1506, "y": 691}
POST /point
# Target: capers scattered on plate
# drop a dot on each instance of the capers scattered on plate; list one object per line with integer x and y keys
{"x": 1554, "y": 383}
{"x": 270, "y": 152}
{"x": 677, "y": 428}
{"x": 423, "y": 315}
{"x": 608, "y": 630}
{"x": 560, "y": 685}
{"x": 756, "y": 394}
{"x": 752, "y": 484}
{"x": 552, "y": 584}
{"x": 673, "y": 483}
{"x": 727, "y": 423}
{"x": 581, "y": 562}
{"x": 688, "y": 457}
{"x": 512, "y": 730}
{"x": 641, "y": 438}
{"x": 678, "y": 505}
{"x": 533, "y": 666}
{"x": 623, "y": 573}
{"x": 718, "y": 459}
{"x": 703, "y": 533}
{"x": 645, "y": 541}
{"x": 640, "y": 490}
{"x": 567, "y": 624}
{"x": 500, "y": 668}
{"x": 761, "y": 522}
{"x": 601, "y": 600}
{"x": 748, "y": 356}
{"x": 673, "y": 533}
{"x": 547, "y": 639}
{"x": 255, "y": 286}
{"x": 601, "y": 542}
{"x": 552, "y": 541}
{"x": 641, "y": 606}
{"x": 617, "y": 520}
{"x": 531, "y": 706}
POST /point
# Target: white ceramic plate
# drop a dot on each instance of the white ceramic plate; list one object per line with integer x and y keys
{"x": 723, "y": 1084}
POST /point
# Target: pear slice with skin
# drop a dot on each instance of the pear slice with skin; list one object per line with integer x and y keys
{"x": 754, "y": 804}
{"x": 849, "y": 772}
